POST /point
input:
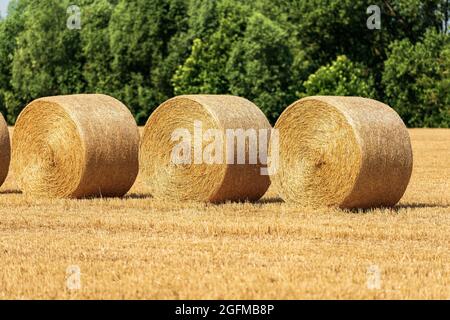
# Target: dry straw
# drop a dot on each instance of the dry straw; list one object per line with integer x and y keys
{"x": 75, "y": 146}
{"x": 5, "y": 150}
{"x": 342, "y": 151}
{"x": 217, "y": 182}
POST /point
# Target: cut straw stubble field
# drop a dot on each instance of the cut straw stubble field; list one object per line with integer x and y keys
{"x": 139, "y": 247}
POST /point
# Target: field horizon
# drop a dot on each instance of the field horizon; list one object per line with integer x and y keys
{"x": 139, "y": 247}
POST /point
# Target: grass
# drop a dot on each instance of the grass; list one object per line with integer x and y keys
{"x": 140, "y": 248}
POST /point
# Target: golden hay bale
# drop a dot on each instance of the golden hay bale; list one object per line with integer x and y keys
{"x": 5, "y": 150}
{"x": 342, "y": 151}
{"x": 209, "y": 181}
{"x": 75, "y": 146}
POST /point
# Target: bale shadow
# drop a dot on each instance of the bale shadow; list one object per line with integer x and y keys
{"x": 398, "y": 207}
{"x": 106, "y": 197}
{"x": 246, "y": 201}
{"x": 10, "y": 191}
{"x": 270, "y": 200}
{"x": 419, "y": 205}
{"x": 138, "y": 196}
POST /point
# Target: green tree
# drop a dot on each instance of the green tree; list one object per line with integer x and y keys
{"x": 259, "y": 65}
{"x": 204, "y": 71}
{"x": 336, "y": 27}
{"x": 327, "y": 29}
{"x": 97, "y": 71}
{"x": 47, "y": 58}
{"x": 248, "y": 54}
{"x": 10, "y": 28}
{"x": 140, "y": 36}
{"x": 417, "y": 80}
{"x": 203, "y": 17}
{"x": 270, "y": 51}
{"x": 342, "y": 78}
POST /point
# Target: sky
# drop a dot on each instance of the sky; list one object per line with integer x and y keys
{"x": 3, "y": 7}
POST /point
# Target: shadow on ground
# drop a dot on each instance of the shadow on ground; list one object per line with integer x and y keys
{"x": 270, "y": 200}
{"x": 418, "y": 205}
{"x": 403, "y": 206}
{"x": 10, "y": 192}
{"x": 138, "y": 196}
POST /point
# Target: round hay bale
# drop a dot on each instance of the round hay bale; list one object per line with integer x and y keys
{"x": 201, "y": 178}
{"x": 349, "y": 152}
{"x": 75, "y": 146}
{"x": 5, "y": 150}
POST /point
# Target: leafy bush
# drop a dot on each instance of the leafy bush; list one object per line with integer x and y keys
{"x": 10, "y": 28}
{"x": 47, "y": 57}
{"x": 342, "y": 78}
{"x": 417, "y": 80}
{"x": 259, "y": 66}
{"x": 204, "y": 71}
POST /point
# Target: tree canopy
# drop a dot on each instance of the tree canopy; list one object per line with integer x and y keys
{"x": 269, "y": 51}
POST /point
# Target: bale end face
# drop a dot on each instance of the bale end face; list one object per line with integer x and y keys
{"x": 75, "y": 146}
{"x": 348, "y": 152}
{"x": 200, "y": 122}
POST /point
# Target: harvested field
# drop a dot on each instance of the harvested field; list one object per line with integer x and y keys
{"x": 138, "y": 247}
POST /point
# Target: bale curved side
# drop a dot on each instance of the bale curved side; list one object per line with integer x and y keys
{"x": 5, "y": 150}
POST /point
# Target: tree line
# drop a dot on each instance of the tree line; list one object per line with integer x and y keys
{"x": 270, "y": 51}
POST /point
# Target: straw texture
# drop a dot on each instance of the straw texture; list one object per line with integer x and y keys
{"x": 5, "y": 150}
{"x": 208, "y": 182}
{"x": 75, "y": 146}
{"x": 349, "y": 152}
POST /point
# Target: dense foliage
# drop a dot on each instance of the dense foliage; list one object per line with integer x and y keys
{"x": 417, "y": 80}
{"x": 343, "y": 77}
{"x": 269, "y": 51}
